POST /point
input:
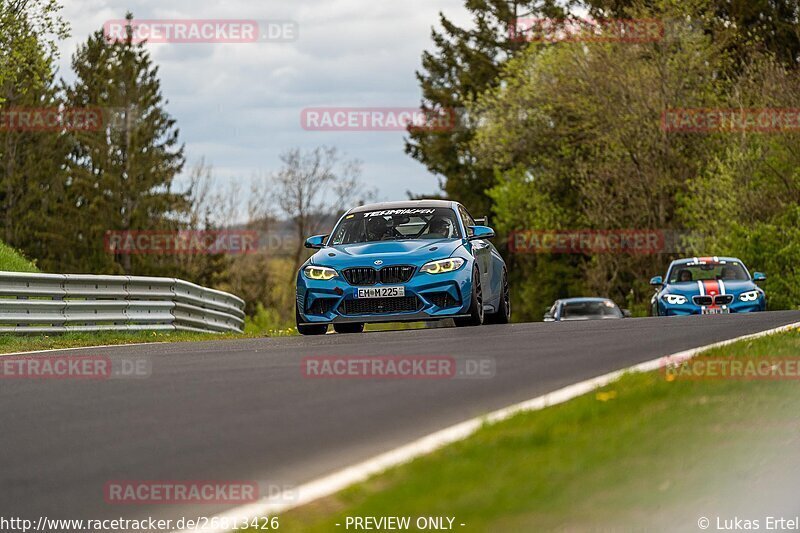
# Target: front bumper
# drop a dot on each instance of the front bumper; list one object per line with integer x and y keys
{"x": 689, "y": 308}
{"x": 326, "y": 302}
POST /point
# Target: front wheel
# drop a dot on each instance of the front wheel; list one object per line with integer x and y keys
{"x": 475, "y": 317}
{"x": 349, "y": 327}
{"x": 308, "y": 329}
{"x": 503, "y": 314}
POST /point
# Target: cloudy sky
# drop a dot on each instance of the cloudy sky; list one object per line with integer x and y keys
{"x": 238, "y": 105}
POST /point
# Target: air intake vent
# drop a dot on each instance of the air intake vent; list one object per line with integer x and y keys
{"x": 396, "y": 274}
{"x": 386, "y": 275}
{"x": 377, "y": 306}
{"x": 361, "y": 276}
{"x": 723, "y": 299}
{"x": 703, "y": 300}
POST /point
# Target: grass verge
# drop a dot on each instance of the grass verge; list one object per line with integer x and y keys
{"x": 13, "y": 261}
{"x": 631, "y": 455}
{"x": 24, "y": 343}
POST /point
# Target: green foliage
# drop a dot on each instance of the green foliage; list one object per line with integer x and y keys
{"x": 574, "y": 136}
{"x": 464, "y": 64}
{"x": 120, "y": 177}
{"x": 12, "y": 261}
{"x": 268, "y": 321}
{"x": 30, "y": 161}
{"x": 28, "y": 34}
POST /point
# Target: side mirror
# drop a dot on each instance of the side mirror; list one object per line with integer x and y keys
{"x": 656, "y": 281}
{"x": 759, "y": 276}
{"x": 626, "y": 313}
{"x": 549, "y": 318}
{"x": 479, "y": 232}
{"x": 317, "y": 241}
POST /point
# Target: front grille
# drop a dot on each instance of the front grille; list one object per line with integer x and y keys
{"x": 396, "y": 274}
{"x": 361, "y": 276}
{"x": 321, "y": 306}
{"x": 441, "y": 299}
{"x": 702, "y": 300}
{"x": 370, "y": 276}
{"x": 723, "y": 299}
{"x": 374, "y": 306}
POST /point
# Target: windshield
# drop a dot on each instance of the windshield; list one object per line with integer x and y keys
{"x": 397, "y": 224}
{"x": 709, "y": 271}
{"x": 596, "y": 309}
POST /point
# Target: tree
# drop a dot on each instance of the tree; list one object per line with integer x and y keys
{"x": 313, "y": 187}
{"x": 29, "y": 30}
{"x": 29, "y": 182}
{"x": 121, "y": 175}
{"x": 464, "y": 64}
{"x": 771, "y": 24}
{"x": 574, "y": 135}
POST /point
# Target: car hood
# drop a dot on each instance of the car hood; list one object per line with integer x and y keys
{"x": 408, "y": 252}
{"x": 691, "y": 288}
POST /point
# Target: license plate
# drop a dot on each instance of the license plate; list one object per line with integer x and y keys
{"x": 716, "y": 311}
{"x": 381, "y": 292}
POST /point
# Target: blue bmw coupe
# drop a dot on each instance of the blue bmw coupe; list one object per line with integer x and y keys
{"x": 402, "y": 261}
{"x": 707, "y": 286}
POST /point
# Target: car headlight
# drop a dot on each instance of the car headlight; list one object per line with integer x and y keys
{"x": 749, "y": 296}
{"x": 675, "y": 299}
{"x": 319, "y": 272}
{"x": 443, "y": 265}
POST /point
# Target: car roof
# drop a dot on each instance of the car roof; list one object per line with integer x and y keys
{"x": 586, "y": 299}
{"x": 406, "y": 204}
{"x": 708, "y": 259}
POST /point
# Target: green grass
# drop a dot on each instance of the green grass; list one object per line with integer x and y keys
{"x": 12, "y": 261}
{"x": 21, "y": 343}
{"x": 631, "y": 455}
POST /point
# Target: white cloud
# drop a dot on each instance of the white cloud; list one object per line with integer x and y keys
{"x": 238, "y": 105}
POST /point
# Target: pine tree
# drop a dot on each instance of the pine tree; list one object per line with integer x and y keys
{"x": 121, "y": 176}
{"x": 464, "y": 64}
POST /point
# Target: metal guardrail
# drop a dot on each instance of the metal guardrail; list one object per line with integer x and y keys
{"x": 58, "y": 303}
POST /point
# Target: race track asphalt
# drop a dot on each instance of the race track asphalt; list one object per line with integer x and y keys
{"x": 243, "y": 409}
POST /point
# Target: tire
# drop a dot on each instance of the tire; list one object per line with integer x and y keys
{"x": 503, "y": 313}
{"x": 349, "y": 327}
{"x": 476, "y": 303}
{"x": 306, "y": 329}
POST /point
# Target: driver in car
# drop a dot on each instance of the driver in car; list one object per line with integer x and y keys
{"x": 439, "y": 227}
{"x": 378, "y": 229}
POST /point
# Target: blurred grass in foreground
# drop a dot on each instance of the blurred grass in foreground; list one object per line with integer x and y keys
{"x": 13, "y": 261}
{"x": 630, "y": 455}
{"x": 20, "y": 343}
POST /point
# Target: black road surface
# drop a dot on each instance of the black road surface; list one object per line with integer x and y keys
{"x": 243, "y": 410}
